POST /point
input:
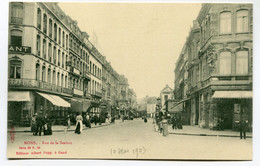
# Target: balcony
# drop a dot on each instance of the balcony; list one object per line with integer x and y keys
{"x": 16, "y": 20}
{"x": 36, "y": 84}
{"x": 86, "y": 74}
{"x": 77, "y": 92}
{"x": 75, "y": 71}
{"x": 96, "y": 94}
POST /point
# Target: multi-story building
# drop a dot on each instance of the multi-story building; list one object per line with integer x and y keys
{"x": 220, "y": 66}
{"x": 53, "y": 68}
{"x": 166, "y": 94}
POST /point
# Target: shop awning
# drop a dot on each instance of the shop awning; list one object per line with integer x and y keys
{"x": 19, "y": 96}
{"x": 55, "y": 100}
{"x": 233, "y": 94}
{"x": 176, "y": 108}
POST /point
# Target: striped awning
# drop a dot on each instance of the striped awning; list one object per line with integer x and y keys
{"x": 233, "y": 94}
{"x": 55, "y": 100}
{"x": 176, "y": 108}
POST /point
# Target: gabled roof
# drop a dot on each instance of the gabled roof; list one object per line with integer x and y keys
{"x": 167, "y": 89}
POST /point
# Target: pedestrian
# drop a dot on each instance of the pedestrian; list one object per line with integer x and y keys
{"x": 47, "y": 126}
{"x": 79, "y": 124}
{"x": 243, "y": 128}
{"x": 95, "y": 118}
{"x": 33, "y": 124}
{"x": 88, "y": 124}
{"x": 174, "y": 123}
{"x": 145, "y": 119}
{"x": 165, "y": 127}
{"x": 39, "y": 125}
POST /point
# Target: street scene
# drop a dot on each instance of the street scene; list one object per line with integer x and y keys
{"x": 130, "y": 81}
{"x": 134, "y": 139}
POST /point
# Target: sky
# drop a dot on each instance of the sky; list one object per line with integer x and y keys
{"x": 141, "y": 40}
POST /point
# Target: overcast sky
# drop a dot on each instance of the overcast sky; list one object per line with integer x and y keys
{"x": 141, "y": 40}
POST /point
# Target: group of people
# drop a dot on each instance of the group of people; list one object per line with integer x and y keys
{"x": 176, "y": 122}
{"x": 41, "y": 124}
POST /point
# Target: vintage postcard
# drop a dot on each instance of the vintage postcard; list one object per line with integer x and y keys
{"x": 167, "y": 81}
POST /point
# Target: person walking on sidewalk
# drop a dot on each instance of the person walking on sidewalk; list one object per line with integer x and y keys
{"x": 39, "y": 125}
{"x": 79, "y": 124}
{"x": 165, "y": 127}
{"x": 243, "y": 128}
{"x": 33, "y": 124}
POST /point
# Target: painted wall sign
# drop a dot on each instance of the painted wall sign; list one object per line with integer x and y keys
{"x": 19, "y": 49}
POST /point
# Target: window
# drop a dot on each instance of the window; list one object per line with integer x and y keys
{"x": 225, "y": 63}
{"x": 62, "y": 77}
{"x": 17, "y": 12}
{"x": 39, "y": 18}
{"x": 54, "y": 55}
{"x": 38, "y": 45}
{"x": 58, "y": 57}
{"x": 58, "y": 79}
{"x": 242, "y": 21}
{"x": 66, "y": 81}
{"x": 15, "y": 69}
{"x": 43, "y": 74}
{"x": 45, "y": 23}
{"x": 49, "y": 52}
{"x": 67, "y": 41}
{"x": 44, "y": 48}
{"x": 16, "y": 40}
{"x": 50, "y": 28}
{"x": 37, "y": 73}
{"x": 55, "y": 32}
{"x": 62, "y": 60}
{"x": 49, "y": 75}
{"x": 53, "y": 77}
{"x": 242, "y": 62}
{"x": 225, "y": 22}
{"x": 63, "y": 39}
{"x": 59, "y": 36}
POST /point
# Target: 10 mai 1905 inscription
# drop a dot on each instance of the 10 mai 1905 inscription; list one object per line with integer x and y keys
{"x": 130, "y": 80}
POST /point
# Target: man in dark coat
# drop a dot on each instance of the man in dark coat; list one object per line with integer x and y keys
{"x": 243, "y": 128}
{"x": 39, "y": 125}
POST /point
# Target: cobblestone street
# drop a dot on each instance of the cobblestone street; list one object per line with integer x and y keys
{"x": 133, "y": 140}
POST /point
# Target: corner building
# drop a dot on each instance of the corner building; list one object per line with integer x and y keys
{"x": 53, "y": 68}
{"x": 219, "y": 66}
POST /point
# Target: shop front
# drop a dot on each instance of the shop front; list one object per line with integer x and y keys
{"x": 20, "y": 108}
{"x": 231, "y": 107}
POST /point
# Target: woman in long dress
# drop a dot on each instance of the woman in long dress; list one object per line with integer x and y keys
{"x": 79, "y": 124}
{"x": 165, "y": 127}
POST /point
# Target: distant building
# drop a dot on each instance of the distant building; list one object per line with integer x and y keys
{"x": 166, "y": 94}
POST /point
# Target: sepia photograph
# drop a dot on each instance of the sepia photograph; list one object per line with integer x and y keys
{"x": 130, "y": 81}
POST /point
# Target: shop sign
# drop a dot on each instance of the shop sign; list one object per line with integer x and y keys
{"x": 19, "y": 49}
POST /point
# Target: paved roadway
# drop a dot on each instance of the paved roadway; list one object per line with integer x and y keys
{"x": 129, "y": 139}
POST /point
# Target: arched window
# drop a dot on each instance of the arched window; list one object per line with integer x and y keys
{"x": 242, "y": 62}
{"x": 16, "y": 37}
{"x": 39, "y": 18}
{"x": 15, "y": 69}
{"x": 50, "y": 28}
{"x": 45, "y": 23}
{"x": 225, "y": 63}
{"x": 37, "y": 73}
{"x": 43, "y": 74}
{"x": 225, "y": 22}
{"x": 49, "y": 75}
{"x": 54, "y": 77}
{"x": 58, "y": 78}
{"x": 62, "y": 77}
{"x": 242, "y": 21}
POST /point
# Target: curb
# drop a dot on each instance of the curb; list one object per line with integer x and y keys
{"x": 212, "y": 135}
{"x": 61, "y": 130}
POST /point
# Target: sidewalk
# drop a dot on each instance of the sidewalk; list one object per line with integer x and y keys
{"x": 59, "y": 128}
{"x": 197, "y": 131}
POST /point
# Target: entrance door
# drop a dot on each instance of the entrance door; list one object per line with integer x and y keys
{"x": 226, "y": 113}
